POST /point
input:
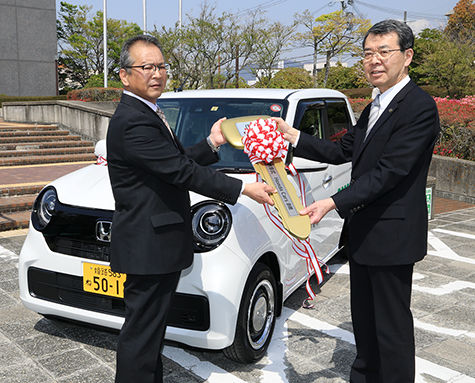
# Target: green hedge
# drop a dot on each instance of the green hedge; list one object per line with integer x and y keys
{"x": 4, "y": 98}
{"x": 95, "y": 94}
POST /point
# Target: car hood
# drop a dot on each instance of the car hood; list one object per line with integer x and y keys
{"x": 90, "y": 187}
{"x": 87, "y": 187}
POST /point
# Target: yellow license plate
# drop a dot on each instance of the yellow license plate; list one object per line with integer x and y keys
{"x": 101, "y": 279}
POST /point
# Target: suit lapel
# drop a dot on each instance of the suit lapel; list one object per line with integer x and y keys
{"x": 140, "y": 106}
{"x": 169, "y": 133}
{"x": 387, "y": 113}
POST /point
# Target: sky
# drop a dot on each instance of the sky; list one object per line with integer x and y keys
{"x": 420, "y": 13}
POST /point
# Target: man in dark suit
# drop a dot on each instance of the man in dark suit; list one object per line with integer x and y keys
{"x": 384, "y": 206}
{"x": 151, "y": 174}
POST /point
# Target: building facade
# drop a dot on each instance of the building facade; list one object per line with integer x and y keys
{"x": 28, "y": 48}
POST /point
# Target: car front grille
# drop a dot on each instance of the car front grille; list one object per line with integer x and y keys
{"x": 72, "y": 231}
{"x": 82, "y": 249}
{"x": 187, "y": 311}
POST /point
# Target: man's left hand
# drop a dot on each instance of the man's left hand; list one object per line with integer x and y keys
{"x": 317, "y": 210}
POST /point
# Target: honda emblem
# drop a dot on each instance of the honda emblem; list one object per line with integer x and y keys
{"x": 103, "y": 231}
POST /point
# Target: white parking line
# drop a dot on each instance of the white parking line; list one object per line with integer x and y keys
{"x": 7, "y": 254}
{"x": 423, "y": 367}
{"x": 274, "y": 371}
{"x": 455, "y": 233}
{"x": 443, "y": 251}
{"x": 445, "y": 289}
{"x": 205, "y": 370}
{"x": 442, "y": 330}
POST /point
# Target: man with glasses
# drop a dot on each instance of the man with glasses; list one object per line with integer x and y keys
{"x": 151, "y": 174}
{"x": 384, "y": 206}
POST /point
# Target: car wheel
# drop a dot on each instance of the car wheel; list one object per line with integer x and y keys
{"x": 256, "y": 318}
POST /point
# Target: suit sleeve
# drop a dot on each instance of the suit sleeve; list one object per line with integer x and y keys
{"x": 147, "y": 147}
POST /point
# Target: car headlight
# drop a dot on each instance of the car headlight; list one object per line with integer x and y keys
{"x": 43, "y": 209}
{"x": 211, "y": 223}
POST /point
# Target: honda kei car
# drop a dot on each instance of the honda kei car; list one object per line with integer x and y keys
{"x": 244, "y": 266}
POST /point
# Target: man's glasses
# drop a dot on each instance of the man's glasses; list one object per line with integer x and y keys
{"x": 383, "y": 54}
{"x": 151, "y": 68}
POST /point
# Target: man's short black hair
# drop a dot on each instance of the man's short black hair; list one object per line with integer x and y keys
{"x": 405, "y": 35}
{"x": 125, "y": 59}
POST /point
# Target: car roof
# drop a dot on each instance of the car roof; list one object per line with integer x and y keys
{"x": 281, "y": 94}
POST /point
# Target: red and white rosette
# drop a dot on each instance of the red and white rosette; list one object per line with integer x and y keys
{"x": 264, "y": 142}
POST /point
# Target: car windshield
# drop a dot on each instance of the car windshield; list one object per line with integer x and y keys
{"x": 192, "y": 118}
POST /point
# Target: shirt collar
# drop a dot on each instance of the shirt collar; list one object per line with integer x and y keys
{"x": 150, "y": 104}
{"x": 386, "y": 97}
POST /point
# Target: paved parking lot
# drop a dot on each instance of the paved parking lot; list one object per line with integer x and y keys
{"x": 308, "y": 346}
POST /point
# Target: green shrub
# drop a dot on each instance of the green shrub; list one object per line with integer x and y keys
{"x": 97, "y": 81}
{"x": 95, "y": 94}
{"x": 4, "y": 98}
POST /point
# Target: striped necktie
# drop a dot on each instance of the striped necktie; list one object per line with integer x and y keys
{"x": 164, "y": 119}
{"x": 373, "y": 114}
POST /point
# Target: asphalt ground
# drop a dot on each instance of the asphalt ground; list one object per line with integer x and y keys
{"x": 308, "y": 345}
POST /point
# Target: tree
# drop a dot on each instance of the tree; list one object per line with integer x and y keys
{"x": 461, "y": 23}
{"x": 342, "y": 77}
{"x": 343, "y": 33}
{"x": 210, "y": 50}
{"x": 80, "y": 42}
{"x": 292, "y": 78}
{"x": 444, "y": 62}
{"x": 270, "y": 43}
{"x": 309, "y": 38}
{"x": 73, "y": 48}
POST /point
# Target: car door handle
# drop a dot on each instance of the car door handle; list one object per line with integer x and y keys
{"x": 326, "y": 181}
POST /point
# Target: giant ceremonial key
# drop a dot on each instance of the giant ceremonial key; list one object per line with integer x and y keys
{"x": 259, "y": 138}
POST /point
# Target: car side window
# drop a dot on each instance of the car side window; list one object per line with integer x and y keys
{"x": 310, "y": 115}
{"x": 338, "y": 119}
{"x": 327, "y": 119}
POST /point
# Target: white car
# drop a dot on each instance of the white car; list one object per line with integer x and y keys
{"x": 244, "y": 266}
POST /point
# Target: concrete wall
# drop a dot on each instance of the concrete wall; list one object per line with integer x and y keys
{"x": 90, "y": 120}
{"x": 28, "y": 47}
{"x": 455, "y": 178}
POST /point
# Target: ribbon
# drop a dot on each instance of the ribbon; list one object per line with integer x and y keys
{"x": 102, "y": 161}
{"x": 263, "y": 142}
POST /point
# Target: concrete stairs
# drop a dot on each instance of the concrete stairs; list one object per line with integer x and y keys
{"x": 31, "y": 156}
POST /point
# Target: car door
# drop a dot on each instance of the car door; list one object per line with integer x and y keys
{"x": 327, "y": 119}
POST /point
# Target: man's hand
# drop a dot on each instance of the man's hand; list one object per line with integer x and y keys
{"x": 259, "y": 192}
{"x": 217, "y": 136}
{"x": 290, "y": 134}
{"x": 317, "y": 210}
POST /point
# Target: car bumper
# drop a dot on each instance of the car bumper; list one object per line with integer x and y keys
{"x": 205, "y": 309}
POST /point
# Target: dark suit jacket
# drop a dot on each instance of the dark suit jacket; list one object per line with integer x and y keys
{"x": 385, "y": 204}
{"x": 151, "y": 176}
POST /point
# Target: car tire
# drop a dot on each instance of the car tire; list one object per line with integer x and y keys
{"x": 256, "y": 318}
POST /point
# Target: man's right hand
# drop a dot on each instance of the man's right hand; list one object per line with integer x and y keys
{"x": 290, "y": 134}
{"x": 259, "y": 192}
